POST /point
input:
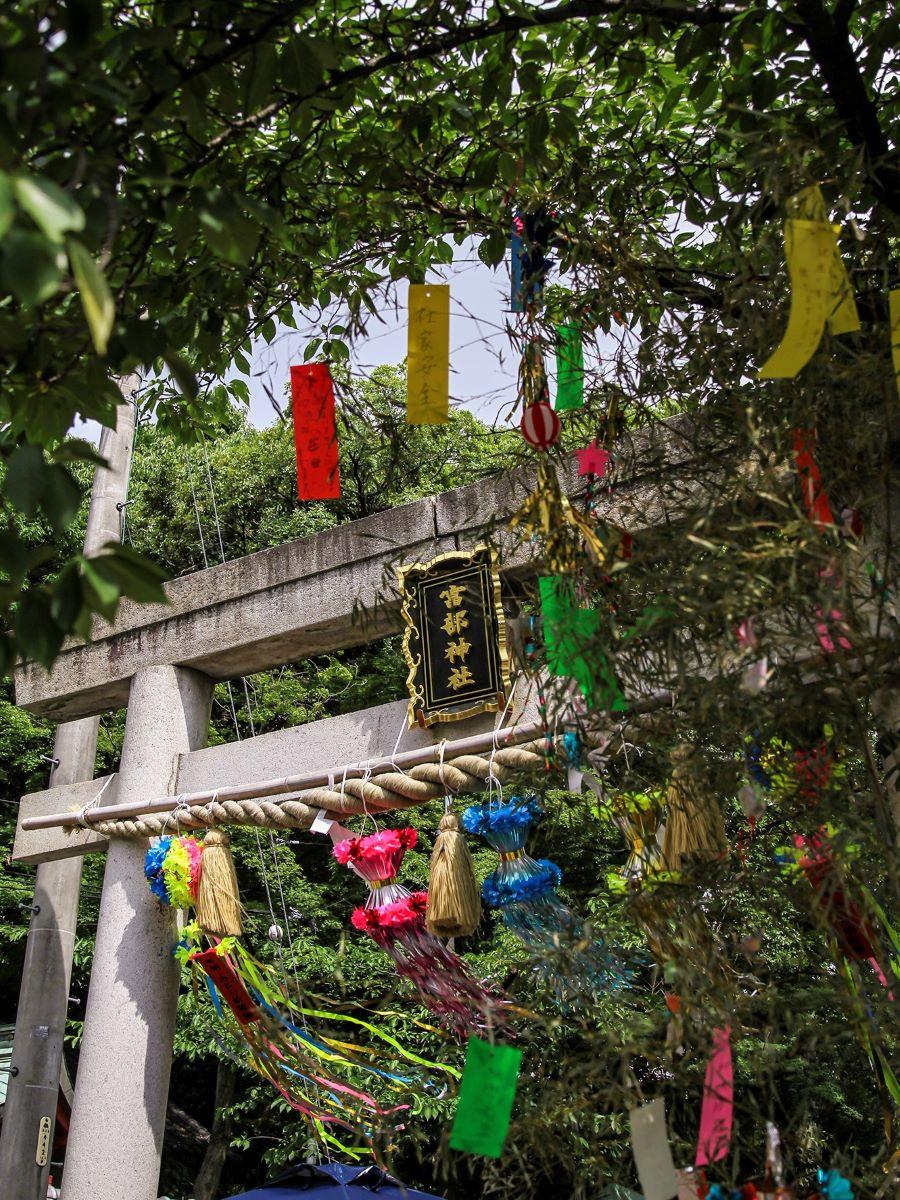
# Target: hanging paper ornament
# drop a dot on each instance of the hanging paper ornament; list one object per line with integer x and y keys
{"x": 395, "y": 920}
{"x": 454, "y": 901}
{"x": 652, "y": 1151}
{"x": 428, "y": 354}
{"x": 717, "y": 1109}
{"x": 894, "y": 307}
{"x": 573, "y": 962}
{"x": 820, "y": 288}
{"x": 570, "y": 635}
{"x": 842, "y": 915}
{"x": 812, "y": 771}
{"x": 834, "y": 1186}
{"x": 569, "y": 368}
{"x": 567, "y": 535}
{"x": 486, "y": 1097}
{"x": 315, "y": 436}
{"x": 326, "y": 1077}
{"x": 529, "y": 242}
{"x": 694, "y": 826}
{"x": 540, "y": 425}
{"x": 593, "y": 460}
{"x": 815, "y": 501}
{"x": 638, "y": 817}
{"x": 173, "y": 867}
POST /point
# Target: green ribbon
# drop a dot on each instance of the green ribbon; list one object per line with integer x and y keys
{"x": 569, "y": 368}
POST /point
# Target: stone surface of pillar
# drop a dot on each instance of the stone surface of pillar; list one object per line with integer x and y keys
{"x": 33, "y": 1089}
{"x": 121, "y": 1092}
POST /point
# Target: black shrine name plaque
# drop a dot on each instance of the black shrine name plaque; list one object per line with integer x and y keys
{"x": 455, "y": 638}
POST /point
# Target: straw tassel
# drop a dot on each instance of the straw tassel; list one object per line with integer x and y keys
{"x": 218, "y": 899}
{"x": 694, "y": 826}
{"x": 454, "y": 897}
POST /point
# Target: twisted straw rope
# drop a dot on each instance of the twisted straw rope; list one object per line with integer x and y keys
{"x": 297, "y": 810}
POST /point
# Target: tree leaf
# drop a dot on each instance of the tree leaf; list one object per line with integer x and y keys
{"x": 7, "y": 211}
{"x": 77, "y": 450}
{"x": 262, "y": 76}
{"x": 13, "y": 559}
{"x": 67, "y": 596}
{"x": 301, "y": 70}
{"x": 37, "y": 634}
{"x": 104, "y": 591}
{"x": 52, "y": 210}
{"x": 61, "y": 498}
{"x": 183, "y": 375}
{"x": 26, "y": 478}
{"x": 229, "y": 233}
{"x": 31, "y": 267}
{"x": 96, "y": 298}
{"x": 133, "y": 575}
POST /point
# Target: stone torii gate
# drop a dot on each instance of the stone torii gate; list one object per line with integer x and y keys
{"x": 318, "y": 594}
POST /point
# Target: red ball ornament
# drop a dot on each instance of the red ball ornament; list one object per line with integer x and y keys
{"x": 540, "y": 425}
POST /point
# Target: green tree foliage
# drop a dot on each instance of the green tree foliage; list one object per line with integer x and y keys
{"x": 177, "y": 177}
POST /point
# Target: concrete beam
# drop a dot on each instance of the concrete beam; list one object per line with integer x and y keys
{"x": 31, "y": 846}
{"x": 330, "y": 591}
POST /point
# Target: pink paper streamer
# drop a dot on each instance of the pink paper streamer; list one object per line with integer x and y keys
{"x": 718, "y": 1101}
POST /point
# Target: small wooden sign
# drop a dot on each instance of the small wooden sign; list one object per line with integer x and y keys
{"x": 455, "y": 640}
{"x": 42, "y": 1150}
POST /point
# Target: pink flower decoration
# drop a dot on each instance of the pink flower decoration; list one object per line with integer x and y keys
{"x": 366, "y": 919}
{"x": 347, "y": 851}
{"x": 379, "y": 855}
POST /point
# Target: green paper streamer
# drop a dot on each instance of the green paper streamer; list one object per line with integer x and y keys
{"x": 568, "y": 629}
{"x": 569, "y": 368}
{"x": 485, "y": 1098}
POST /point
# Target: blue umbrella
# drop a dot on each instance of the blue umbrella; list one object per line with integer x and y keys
{"x": 334, "y": 1181}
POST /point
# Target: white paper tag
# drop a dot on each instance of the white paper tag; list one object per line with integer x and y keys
{"x": 652, "y": 1153}
{"x": 573, "y": 779}
{"x": 322, "y": 823}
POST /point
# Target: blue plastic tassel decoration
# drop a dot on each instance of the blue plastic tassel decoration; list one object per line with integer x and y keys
{"x": 572, "y": 961}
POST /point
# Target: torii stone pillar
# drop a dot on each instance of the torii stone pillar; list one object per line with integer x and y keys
{"x": 121, "y": 1090}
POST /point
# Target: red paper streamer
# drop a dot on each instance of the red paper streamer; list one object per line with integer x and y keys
{"x": 229, "y": 983}
{"x": 814, "y": 499}
{"x": 315, "y": 438}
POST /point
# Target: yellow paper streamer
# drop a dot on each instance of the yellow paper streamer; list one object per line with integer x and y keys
{"x": 809, "y": 205}
{"x": 820, "y": 287}
{"x": 895, "y": 333}
{"x": 428, "y": 354}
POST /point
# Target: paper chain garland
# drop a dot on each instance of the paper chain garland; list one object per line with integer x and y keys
{"x": 395, "y": 920}
{"x": 572, "y": 962}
